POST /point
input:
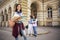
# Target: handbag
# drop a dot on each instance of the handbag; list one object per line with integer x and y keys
{"x": 26, "y": 26}
{"x": 11, "y": 23}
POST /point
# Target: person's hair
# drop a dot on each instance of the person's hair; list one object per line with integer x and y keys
{"x": 31, "y": 16}
{"x": 17, "y": 9}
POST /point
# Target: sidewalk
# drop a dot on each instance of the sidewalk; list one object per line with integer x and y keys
{"x": 40, "y": 30}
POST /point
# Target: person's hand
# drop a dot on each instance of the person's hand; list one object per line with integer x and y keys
{"x": 19, "y": 18}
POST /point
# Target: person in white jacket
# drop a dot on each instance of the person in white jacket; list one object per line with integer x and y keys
{"x": 30, "y": 27}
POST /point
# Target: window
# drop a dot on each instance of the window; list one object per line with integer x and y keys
{"x": 2, "y": 17}
{"x": 59, "y": 12}
{"x": 49, "y": 12}
{"x": 6, "y": 17}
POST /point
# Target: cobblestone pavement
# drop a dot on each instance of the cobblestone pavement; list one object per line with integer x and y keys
{"x": 46, "y": 33}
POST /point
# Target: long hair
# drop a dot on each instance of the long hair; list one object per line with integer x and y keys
{"x": 17, "y": 9}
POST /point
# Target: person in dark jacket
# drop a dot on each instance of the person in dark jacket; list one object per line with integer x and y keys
{"x": 19, "y": 26}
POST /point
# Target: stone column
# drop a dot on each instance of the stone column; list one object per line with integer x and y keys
{"x": 24, "y": 4}
{"x": 40, "y": 15}
{"x": 29, "y": 9}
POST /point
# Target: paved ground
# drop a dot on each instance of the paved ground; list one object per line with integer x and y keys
{"x": 41, "y": 30}
{"x": 46, "y": 33}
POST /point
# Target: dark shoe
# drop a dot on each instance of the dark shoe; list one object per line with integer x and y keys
{"x": 35, "y": 35}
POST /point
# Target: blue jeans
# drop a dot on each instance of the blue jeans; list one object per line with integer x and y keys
{"x": 22, "y": 35}
{"x": 16, "y": 38}
{"x": 35, "y": 30}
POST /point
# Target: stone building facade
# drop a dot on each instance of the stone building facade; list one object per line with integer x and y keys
{"x": 46, "y": 11}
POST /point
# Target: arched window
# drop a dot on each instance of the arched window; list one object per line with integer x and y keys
{"x": 5, "y": 11}
{"x": 2, "y": 16}
{"x": 6, "y": 15}
{"x": 9, "y": 12}
{"x": 49, "y": 12}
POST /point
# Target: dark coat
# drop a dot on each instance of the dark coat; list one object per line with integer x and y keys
{"x": 15, "y": 31}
